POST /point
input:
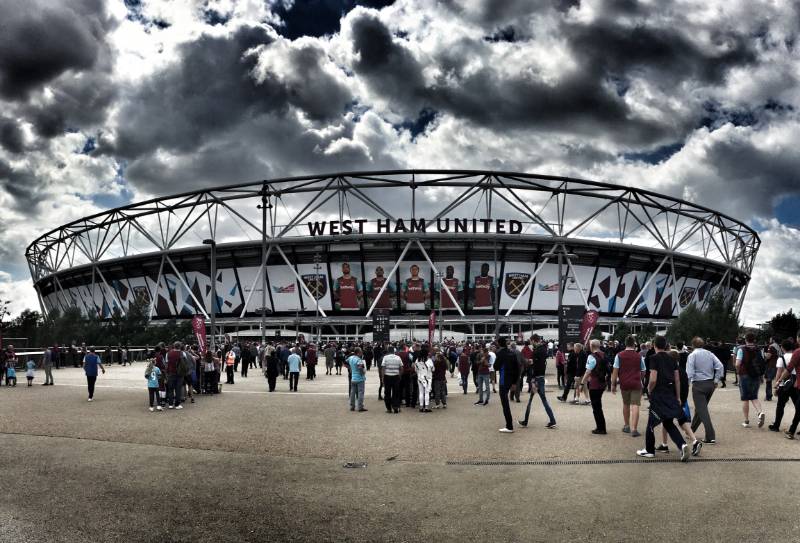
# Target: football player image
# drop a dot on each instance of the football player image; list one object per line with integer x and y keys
{"x": 415, "y": 290}
{"x": 374, "y": 286}
{"x": 347, "y": 291}
{"x": 453, "y": 285}
{"x": 483, "y": 287}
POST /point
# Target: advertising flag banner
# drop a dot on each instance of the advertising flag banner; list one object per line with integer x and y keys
{"x": 588, "y": 324}
{"x": 431, "y": 327}
{"x": 199, "y": 329}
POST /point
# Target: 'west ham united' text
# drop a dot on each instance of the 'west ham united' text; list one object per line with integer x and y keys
{"x": 394, "y": 226}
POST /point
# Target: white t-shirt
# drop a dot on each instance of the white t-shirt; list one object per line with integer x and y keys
{"x": 492, "y": 356}
{"x": 783, "y": 361}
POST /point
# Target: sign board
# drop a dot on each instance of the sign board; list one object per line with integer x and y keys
{"x": 569, "y": 324}
{"x": 380, "y": 325}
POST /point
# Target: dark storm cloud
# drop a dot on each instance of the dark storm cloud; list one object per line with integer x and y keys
{"x": 578, "y": 103}
{"x": 212, "y": 89}
{"x": 608, "y": 48}
{"x": 11, "y": 136}
{"x": 21, "y": 185}
{"x": 41, "y": 40}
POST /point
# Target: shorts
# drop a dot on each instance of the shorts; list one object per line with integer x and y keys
{"x": 748, "y": 388}
{"x": 632, "y": 397}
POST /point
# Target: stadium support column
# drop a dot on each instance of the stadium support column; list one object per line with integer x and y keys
{"x": 213, "y": 246}
{"x": 264, "y": 206}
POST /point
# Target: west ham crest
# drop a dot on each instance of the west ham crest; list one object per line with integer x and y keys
{"x": 686, "y": 295}
{"x": 317, "y": 284}
{"x": 514, "y": 283}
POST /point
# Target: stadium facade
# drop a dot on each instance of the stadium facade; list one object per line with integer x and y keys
{"x": 482, "y": 248}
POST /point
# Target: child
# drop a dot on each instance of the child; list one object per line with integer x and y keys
{"x": 11, "y": 374}
{"x": 153, "y": 376}
{"x": 31, "y": 366}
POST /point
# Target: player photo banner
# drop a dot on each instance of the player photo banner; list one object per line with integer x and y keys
{"x": 588, "y": 324}
{"x": 199, "y": 329}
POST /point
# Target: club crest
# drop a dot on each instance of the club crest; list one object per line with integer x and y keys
{"x": 316, "y": 284}
{"x": 514, "y": 283}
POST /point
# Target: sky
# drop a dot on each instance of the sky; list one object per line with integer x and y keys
{"x": 104, "y": 103}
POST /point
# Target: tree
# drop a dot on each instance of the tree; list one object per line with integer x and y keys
{"x": 784, "y": 325}
{"x": 646, "y": 333}
{"x": 621, "y": 332}
{"x": 716, "y": 321}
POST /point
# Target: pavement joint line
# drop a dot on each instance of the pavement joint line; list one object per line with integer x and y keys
{"x": 609, "y": 461}
{"x": 277, "y": 392}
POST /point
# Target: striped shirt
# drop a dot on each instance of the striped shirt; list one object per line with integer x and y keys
{"x": 392, "y": 364}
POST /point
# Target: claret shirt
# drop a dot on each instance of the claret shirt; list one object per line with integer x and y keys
{"x": 482, "y": 287}
{"x": 375, "y": 284}
{"x": 347, "y": 289}
{"x": 453, "y": 285}
{"x": 415, "y": 289}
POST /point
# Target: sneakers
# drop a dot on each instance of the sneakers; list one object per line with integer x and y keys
{"x": 746, "y": 424}
{"x": 788, "y": 435}
{"x": 761, "y": 417}
{"x": 635, "y": 433}
{"x": 179, "y": 406}
{"x": 170, "y": 407}
{"x": 522, "y": 423}
{"x": 663, "y": 448}
{"x": 644, "y": 454}
{"x": 478, "y": 403}
{"x": 89, "y": 400}
{"x": 363, "y": 409}
{"x": 151, "y": 409}
{"x": 696, "y": 446}
{"x": 626, "y": 429}
{"x": 773, "y": 428}
{"x": 551, "y": 425}
{"x": 560, "y": 399}
{"x": 505, "y": 431}
{"x": 159, "y": 408}
{"x": 685, "y": 452}
{"x": 710, "y": 441}
{"x": 599, "y": 432}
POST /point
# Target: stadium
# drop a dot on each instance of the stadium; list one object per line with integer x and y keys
{"x": 325, "y": 254}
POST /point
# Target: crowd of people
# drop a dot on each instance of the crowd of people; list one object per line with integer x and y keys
{"x": 413, "y": 375}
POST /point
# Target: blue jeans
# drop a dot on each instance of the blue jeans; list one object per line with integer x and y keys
{"x": 484, "y": 383}
{"x": 357, "y": 391}
{"x": 539, "y": 382}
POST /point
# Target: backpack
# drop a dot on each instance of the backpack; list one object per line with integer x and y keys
{"x": 183, "y": 364}
{"x": 755, "y": 364}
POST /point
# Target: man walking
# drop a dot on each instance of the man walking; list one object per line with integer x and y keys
{"x": 596, "y": 374}
{"x": 748, "y": 363}
{"x": 506, "y": 366}
{"x": 537, "y": 383}
{"x": 47, "y": 362}
{"x": 663, "y": 389}
{"x": 784, "y": 383}
{"x": 90, "y": 364}
{"x": 294, "y": 362}
{"x": 628, "y": 371}
{"x": 392, "y": 365}
{"x": 705, "y": 371}
{"x": 358, "y": 379}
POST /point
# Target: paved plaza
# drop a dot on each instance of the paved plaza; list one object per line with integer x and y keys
{"x": 247, "y": 465}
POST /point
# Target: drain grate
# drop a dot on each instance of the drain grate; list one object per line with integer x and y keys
{"x": 609, "y": 461}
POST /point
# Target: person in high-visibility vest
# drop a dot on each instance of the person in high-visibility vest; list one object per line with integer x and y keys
{"x": 230, "y": 360}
